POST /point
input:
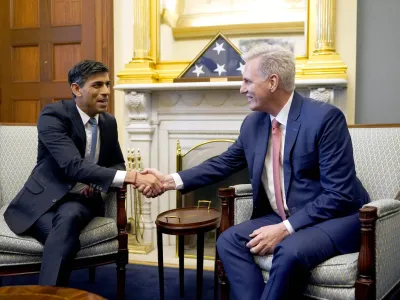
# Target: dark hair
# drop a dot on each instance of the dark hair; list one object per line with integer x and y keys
{"x": 82, "y": 70}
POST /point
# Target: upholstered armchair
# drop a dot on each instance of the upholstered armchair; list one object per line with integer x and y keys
{"x": 374, "y": 271}
{"x": 103, "y": 240}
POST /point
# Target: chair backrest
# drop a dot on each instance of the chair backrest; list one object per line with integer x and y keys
{"x": 195, "y": 156}
{"x": 377, "y": 158}
{"x": 18, "y": 154}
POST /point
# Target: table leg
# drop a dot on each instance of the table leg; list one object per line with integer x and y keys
{"x": 181, "y": 265}
{"x": 200, "y": 258}
{"x": 160, "y": 263}
{"x": 216, "y": 269}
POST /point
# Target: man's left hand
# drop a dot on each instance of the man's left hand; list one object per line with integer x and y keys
{"x": 90, "y": 191}
{"x": 266, "y": 238}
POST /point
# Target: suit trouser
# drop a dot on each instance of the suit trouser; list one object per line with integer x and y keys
{"x": 294, "y": 257}
{"x": 58, "y": 230}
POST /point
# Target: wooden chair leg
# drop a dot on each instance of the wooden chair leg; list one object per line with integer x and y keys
{"x": 216, "y": 281}
{"x": 365, "y": 287}
{"x": 215, "y": 278}
{"x": 121, "y": 275}
{"x": 181, "y": 244}
{"x": 122, "y": 257}
{"x": 92, "y": 274}
{"x": 223, "y": 281}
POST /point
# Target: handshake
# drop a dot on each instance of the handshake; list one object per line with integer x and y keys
{"x": 150, "y": 182}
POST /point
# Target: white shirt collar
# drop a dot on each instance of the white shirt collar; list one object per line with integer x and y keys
{"x": 284, "y": 113}
{"x": 85, "y": 118}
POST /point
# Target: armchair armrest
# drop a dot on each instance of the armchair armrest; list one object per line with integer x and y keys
{"x": 110, "y": 204}
{"x": 121, "y": 213}
{"x": 243, "y": 190}
{"x": 378, "y": 267}
{"x": 115, "y": 208}
{"x": 236, "y": 205}
{"x": 238, "y": 198}
{"x": 385, "y": 206}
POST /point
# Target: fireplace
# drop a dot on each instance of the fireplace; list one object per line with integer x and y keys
{"x": 207, "y": 195}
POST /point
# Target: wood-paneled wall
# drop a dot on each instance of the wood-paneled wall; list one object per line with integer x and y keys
{"x": 40, "y": 41}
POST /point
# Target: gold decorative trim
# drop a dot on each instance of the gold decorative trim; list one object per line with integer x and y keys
{"x": 136, "y": 224}
{"x": 238, "y": 29}
{"x": 169, "y": 18}
{"x": 169, "y": 70}
{"x": 207, "y": 257}
{"x": 143, "y": 71}
{"x": 135, "y": 248}
{"x": 207, "y": 142}
{"x": 166, "y": 265}
{"x": 316, "y": 63}
{"x": 154, "y": 30}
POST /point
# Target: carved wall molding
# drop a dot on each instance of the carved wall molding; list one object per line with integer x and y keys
{"x": 323, "y": 94}
{"x": 140, "y": 132}
{"x": 206, "y": 99}
{"x": 138, "y": 105}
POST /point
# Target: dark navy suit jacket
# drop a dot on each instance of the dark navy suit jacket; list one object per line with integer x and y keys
{"x": 321, "y": 186}
{"x": 60, "y": 163}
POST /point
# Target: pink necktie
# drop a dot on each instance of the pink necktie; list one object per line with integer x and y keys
{"x": 276, "y": 166}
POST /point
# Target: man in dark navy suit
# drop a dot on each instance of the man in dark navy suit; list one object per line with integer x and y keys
{"x": 306, "y": 195}
{"x": 79, "y": 158}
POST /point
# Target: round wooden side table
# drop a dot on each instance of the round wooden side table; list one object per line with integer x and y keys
{"x": 30, "y": 292}
{"x": 181, "y": 222}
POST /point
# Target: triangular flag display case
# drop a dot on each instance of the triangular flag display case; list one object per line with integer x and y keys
{"x": 220, "y": 60}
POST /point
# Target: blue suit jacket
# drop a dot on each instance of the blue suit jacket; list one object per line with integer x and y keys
{"x": 61, "y": 164}
{"x": 321, "y": 186}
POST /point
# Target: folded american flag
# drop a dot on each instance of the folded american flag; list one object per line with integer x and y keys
{"x": 219, "y": 60}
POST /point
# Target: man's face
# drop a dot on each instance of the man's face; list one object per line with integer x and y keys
{"x": 255, "y": 87}
{"x": 93, "y": 97}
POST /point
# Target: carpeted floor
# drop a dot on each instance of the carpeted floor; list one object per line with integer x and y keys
{"x": 141, "y": 282}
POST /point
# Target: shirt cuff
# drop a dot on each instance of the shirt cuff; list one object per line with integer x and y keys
{"x": 288, "y": 226}
{"x": 178, "y": 181}
{"x": 119, "y": 179}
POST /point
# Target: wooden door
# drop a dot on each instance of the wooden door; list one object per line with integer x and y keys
{"x": 40, "y": 40}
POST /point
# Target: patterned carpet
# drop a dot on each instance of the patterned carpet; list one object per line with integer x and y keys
{"x": 141, "y": 282}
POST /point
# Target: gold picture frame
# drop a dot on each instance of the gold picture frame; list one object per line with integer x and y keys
{"x": 205, "y": 24}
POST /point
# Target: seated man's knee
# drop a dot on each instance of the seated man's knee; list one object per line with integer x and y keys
{"x": 73, "y": 215}
{"x": 223, "y": 241}
{"x": 289, "y": 256}
{"x": 236, "y": 236}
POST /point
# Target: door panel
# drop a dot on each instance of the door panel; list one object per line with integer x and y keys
{"x": 24, "y": 14}
{"x": 40, "y": 41}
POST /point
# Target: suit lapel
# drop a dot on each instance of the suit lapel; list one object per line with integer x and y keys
{"x": 261, "y": 151}
{"x": 103, "y": 135}
{"x": 78, "y": 124}
{"x": 292, "y": 130}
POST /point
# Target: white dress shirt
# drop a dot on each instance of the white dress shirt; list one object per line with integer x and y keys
{"x": 267, "y": 178}
{"x": 119, "y": 176}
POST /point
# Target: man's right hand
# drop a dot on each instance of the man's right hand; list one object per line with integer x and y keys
{"x": 154, "y": 186}
{"x": 167, "y": 181}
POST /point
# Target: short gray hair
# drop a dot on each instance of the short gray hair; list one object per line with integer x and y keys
{"x": 277, "y": 60}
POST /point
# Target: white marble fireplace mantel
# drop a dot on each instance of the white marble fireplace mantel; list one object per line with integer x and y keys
{"x": 157, "y": 115}
{"x": 192, "y": 86}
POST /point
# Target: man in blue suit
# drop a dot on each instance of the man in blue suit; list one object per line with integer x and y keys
{"x": 78, "y": 158}
{"x": 305, "y": 190}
